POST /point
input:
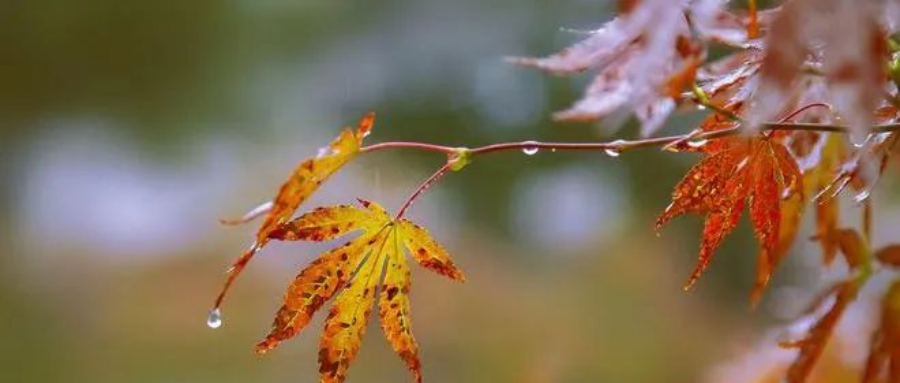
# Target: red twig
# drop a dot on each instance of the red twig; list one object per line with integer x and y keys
{"x": 424, "y": 186}
{"x": 623, "y": 145}
{"x": 617, "y": 146}
{"x": 805, "y": 108}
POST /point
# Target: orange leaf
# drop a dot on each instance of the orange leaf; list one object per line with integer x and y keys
{"x": 323, "y": 224}
{"x": 736, "y": 170}
{"x": 684, "y": 77}
{"x": 884, "y": 350}
{"x": 305, "y": 179}
{"x": 315, "y": 285}
{"x": 889, "y": 255}
{"x": 812, "y": 346}
{"x": 790, "y": 211}
{"x": 819, "y": 178}
{"x": 854, "y": 247}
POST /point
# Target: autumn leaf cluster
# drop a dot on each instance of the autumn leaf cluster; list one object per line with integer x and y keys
{"x": 799, "y": 112}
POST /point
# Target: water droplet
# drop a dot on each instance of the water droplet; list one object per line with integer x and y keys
{"x": 701, "y": 107}
{"x": 323, "y": 151}
{"x": 862, "y": 196}
{"x": 858, "y": 140}
{"x": 615, "y": 148}
{"x": 553, "y": 150}
{"x": 697, "y": 143}
{"x": 530, "y": 150}
{"x": 787, "y": 193}
{"x": 214, "y": 320}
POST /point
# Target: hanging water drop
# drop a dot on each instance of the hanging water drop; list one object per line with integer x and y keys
{"x": 530, "y": 148}
{"x": 615, "y": 148}
{"x": 862, "y": 196}
{"x": 214, "y": 320}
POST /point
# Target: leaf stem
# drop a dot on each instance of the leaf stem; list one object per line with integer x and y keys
{"x": 424, "y": 186}
{"x": 701, "y": 98}
{"x": 753, "y": 23}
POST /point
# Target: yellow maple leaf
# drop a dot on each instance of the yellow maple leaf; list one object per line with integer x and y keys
{"x": 354, "y": 272}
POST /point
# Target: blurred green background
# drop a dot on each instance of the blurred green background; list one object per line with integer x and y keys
{"x": 128, "y": 128}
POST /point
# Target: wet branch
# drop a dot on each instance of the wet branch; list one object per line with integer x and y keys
{"x": 620, "y": 145}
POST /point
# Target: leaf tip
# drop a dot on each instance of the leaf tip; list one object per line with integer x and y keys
{"x": 692, "y": 280}
{"x": 260, "y": 350}
{"x": 365, "y": 125}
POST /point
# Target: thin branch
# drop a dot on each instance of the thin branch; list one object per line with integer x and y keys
{"x": 424, "y": 186}
{"x": 805, "y": 108}
{"x": 622, "y": 145}
{"x": 753, "y": 23}
{"x": 613, "y": 147}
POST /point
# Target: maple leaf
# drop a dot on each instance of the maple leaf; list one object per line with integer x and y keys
{"x": 354, "y": 272}
{"x": 833, "y": 303}
{"x": 884, "y": 350}
{"x": 817, "y": 179}
{"x": 864, "y": 167}
{"x": 737, "y": 170}
{"x": 305, "y": 179}
{"x": 713, "y": 22}
{"x": 889, "y": 255}
{"x": 851, "y": 58}
{"x": 731, "y": 80}
{"x": 645, "y": 58}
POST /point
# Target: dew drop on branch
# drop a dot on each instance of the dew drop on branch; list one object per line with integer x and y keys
{"x": 530, "y": 148}
{"x": 214, "y": 320}
{"x": 615, "y": 148}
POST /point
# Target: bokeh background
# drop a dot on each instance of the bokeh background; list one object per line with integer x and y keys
{"x": 128, "y": 128}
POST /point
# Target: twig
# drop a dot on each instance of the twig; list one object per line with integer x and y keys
{"x": 620, "y": 145}
{"x": 424, "y": 186}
